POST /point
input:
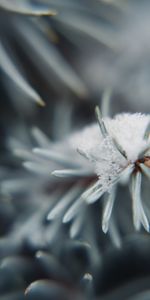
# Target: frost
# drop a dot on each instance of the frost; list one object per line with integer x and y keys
{"x": 127, "y": 130}
{"x": 109, "y": 163}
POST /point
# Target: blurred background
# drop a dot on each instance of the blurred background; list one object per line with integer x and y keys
{"x": 58, "y": 60}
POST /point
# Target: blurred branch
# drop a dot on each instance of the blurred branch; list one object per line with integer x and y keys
{"x": 20, "y": 7}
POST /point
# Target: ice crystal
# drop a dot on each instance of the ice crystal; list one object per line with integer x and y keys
{"x": 127, "y": 130}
